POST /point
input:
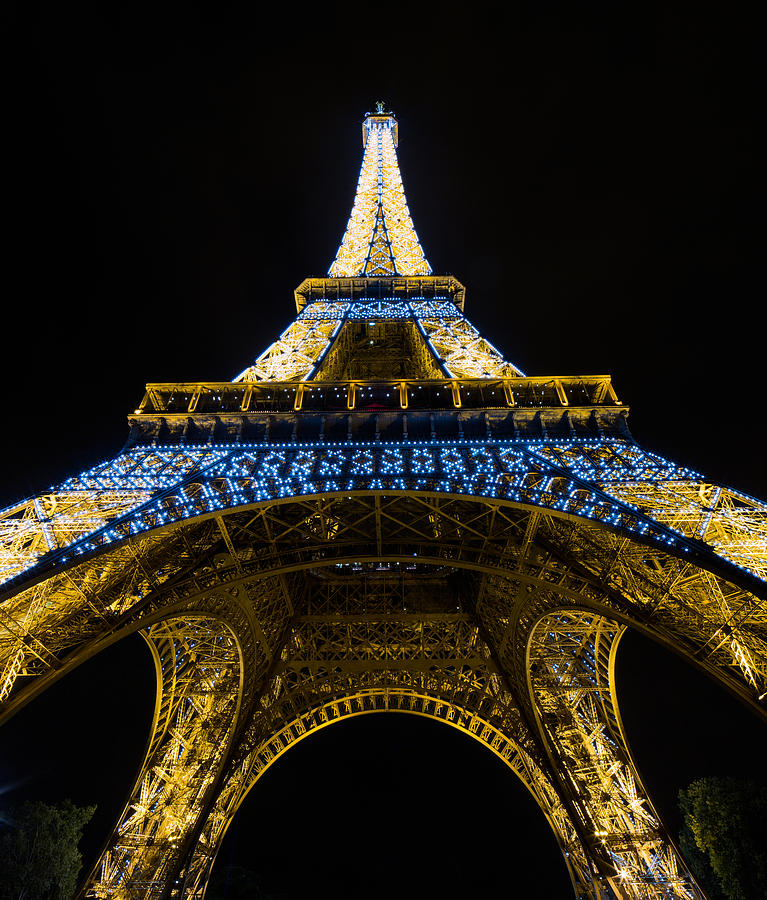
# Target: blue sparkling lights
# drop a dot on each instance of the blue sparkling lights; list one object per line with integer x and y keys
{"x": 390, "y": 308}
{"x": 579, "y": 477}
{"x": 569, "y": 476}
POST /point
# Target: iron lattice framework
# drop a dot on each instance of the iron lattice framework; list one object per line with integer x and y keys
{"x": 382, "y": 513}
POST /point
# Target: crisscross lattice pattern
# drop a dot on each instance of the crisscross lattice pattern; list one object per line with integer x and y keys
{"x": 380, "y": 238}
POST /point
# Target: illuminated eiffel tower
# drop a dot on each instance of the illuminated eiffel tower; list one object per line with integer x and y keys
{"x": 382, "y": 513}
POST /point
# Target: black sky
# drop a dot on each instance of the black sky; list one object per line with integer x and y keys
{"x": 170, "y": 176}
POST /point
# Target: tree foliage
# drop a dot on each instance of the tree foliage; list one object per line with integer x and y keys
{"x": 39, "y": 855}
{"x": 724, "y": 836}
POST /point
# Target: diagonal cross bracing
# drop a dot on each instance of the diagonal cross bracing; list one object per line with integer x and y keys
{"x": 380, "y": 238}
{"x": 300, "y": 349}
{"x": 382, "y": 513}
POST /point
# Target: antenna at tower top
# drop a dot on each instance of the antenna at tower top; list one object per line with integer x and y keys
{"x": 381, "y": 110}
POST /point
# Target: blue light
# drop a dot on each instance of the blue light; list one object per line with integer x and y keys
{"x": 577, "y": 476}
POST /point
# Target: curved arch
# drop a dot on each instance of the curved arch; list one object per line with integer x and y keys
{"x": 608, "y": 480}
{"x": 402, "y": 700}
{"x": 524, "y": 560}
{"x": 572, "y": 481}
{"x": 489, "y": 547}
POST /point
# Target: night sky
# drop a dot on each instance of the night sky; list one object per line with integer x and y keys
{"x": 170, "y": 177}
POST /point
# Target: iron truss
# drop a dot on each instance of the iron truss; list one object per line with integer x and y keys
{"x": 380, "y": 238}
{"x": 268, "y": 562}
{"x": 456, "y": 345}
{"x": 382, "y": 513}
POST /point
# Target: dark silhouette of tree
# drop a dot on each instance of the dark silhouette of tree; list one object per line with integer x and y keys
{"x": 699, "y": 863}
{"x": 724, "y": 836}
{"x": 39, "y": 855}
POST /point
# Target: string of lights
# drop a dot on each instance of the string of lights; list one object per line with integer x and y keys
{"x": 600, "y": 479}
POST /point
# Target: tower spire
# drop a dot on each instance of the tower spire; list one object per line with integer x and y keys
{"x": 380, "y": 238}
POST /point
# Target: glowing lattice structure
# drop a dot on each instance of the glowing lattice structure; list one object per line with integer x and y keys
{"x": 381, "y": 513}
{"x": 380, "y": 238}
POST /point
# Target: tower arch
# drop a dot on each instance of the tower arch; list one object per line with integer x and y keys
{"x": 382, "y": 509}
{"x": 410, "y": 700}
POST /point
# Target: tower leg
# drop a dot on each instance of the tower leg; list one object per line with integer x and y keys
{"x": 571, "y": 656}
{"x": 200, "y": 675}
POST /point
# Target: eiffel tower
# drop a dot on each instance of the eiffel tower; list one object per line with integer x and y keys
{"x": 382, "y": 513}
